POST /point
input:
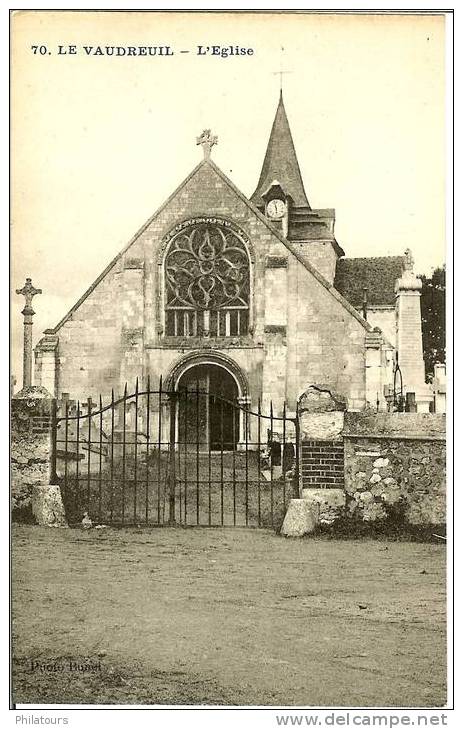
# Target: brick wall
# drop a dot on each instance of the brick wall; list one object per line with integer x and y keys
{"x": 322, "y": 464}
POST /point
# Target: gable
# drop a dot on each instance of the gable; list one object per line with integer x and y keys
{"x": 206, "y": 189}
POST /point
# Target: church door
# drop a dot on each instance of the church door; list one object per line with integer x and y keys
{"x": 208, "y": 415}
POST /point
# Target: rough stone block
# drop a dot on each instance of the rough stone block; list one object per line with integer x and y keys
{"x": 47, "y": 505}
{"x": 301, "y": 518}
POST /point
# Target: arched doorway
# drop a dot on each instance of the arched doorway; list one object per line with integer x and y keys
{"x": 208, "y": 412}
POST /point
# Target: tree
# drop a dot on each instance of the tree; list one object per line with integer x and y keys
{"x": 433, "y": 319}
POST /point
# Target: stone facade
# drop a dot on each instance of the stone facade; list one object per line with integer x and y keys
{"x": 321, "y": 255}
{"x": 383, "y": 317}
{"x": 299, "y": 330}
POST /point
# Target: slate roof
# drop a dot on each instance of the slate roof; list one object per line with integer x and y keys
{"x": 280, "y": 162}
{"x": 377, "y": 275}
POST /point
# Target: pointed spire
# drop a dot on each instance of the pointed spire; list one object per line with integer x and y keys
{"x": 280, "y": 162}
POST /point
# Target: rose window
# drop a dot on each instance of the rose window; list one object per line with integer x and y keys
{"x": 207, "y": 283}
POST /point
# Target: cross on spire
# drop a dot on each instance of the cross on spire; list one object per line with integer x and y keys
{"x": 280, "y": 74}
{"x": 207, "y": 141}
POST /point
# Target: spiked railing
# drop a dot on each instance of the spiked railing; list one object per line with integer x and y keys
{"x": 162, "y": 456}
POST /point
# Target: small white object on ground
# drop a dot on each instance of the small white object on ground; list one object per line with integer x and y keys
{"x": 86, "y": 521}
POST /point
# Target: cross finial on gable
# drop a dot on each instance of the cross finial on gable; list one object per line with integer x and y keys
{"x": 207, "y": 141}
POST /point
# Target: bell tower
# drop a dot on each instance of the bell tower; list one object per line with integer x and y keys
{"x": 277, "y": 204}
{"x": 280, "y": 164}
{"x": 280, "y": 195}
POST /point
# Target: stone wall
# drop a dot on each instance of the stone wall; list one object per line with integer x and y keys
{"x": 383, "y": 317}
{"x": 395, "y": 467}
{"x": 321, "y": 254}
{"x": 326, "y": 344}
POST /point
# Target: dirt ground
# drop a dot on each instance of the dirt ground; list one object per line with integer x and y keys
{"x": 226, "y": 617}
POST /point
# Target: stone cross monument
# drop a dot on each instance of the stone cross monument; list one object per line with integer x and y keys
{"x": 28, "y": 291}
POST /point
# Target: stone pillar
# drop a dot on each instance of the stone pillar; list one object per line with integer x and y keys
{"x": 373, "y": 368}
{"x": 321, "y": 423}
{"x": 275, "y": 329}
{"x": 409, "y": 343}
{"x": 34, "y": 497}
{"x": 46, "y": 363}
{"x": 245, "y": 403}
{"x": 132, "y": 335}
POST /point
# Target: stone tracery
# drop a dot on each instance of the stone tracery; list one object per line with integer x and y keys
{"x": 207, "y": 282}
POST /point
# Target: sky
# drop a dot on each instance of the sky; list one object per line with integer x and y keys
{"x": 99, "y": 142}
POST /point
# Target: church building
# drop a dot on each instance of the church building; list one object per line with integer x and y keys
{"x": 252, "y": 298}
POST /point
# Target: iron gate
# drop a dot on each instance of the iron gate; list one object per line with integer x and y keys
{"x": 185, "y": 457}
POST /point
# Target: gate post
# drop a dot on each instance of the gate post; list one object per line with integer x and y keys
{"x": 296, "y": 487}
{"x": 172, "y": 475}
{"x": 34, "y": 488}
{"x": 53, "y": 437}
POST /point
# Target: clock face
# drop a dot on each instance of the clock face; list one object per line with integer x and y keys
{"x": 276, "y": 209}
